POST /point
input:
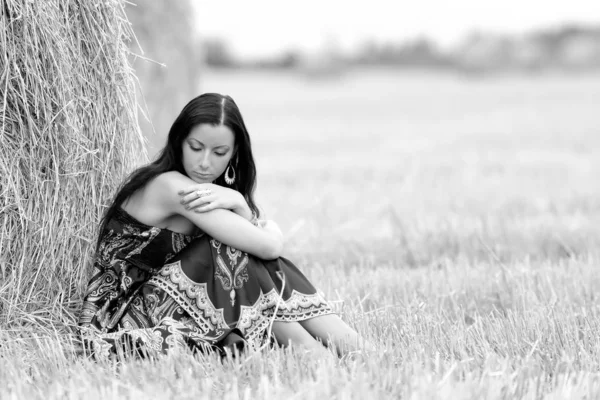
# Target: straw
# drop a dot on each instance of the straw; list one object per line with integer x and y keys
{"x": 68, "y": 135}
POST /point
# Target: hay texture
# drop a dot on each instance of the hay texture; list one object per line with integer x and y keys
{"x": 68, "y": 135}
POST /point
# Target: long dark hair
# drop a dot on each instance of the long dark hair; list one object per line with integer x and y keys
{"x": 209, "y": 108}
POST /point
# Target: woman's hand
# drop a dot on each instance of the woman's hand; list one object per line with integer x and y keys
{"x": 205, "y": 197}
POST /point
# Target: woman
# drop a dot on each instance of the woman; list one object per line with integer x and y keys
{"x": 183, "y": 260}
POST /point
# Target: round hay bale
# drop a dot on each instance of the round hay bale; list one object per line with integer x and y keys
{"x": 68, "y": 135}
{"x": 165, "y": 34}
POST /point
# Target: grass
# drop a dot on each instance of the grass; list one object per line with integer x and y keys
{"x": 449, "y": 331}
{"x": 461, "y": 237}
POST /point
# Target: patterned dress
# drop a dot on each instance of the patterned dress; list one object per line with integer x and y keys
{"x": 153, "y": 290}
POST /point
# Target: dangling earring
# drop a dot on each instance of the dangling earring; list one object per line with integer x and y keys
{"x": 229, "y": 179}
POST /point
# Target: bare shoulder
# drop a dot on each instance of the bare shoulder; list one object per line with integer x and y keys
{"x": 169, "y": 183}
{"x": 153, "y": 204}
{"x": 172, "y": 179}
{"x": 166, "y": 186}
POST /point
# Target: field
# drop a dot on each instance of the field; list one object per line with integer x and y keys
{"x": 454, "y": 222}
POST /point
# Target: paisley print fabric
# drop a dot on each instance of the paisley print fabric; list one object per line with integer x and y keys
{"x": 153, "y": 290}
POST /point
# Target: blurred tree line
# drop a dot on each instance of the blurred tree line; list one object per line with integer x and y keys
{"x": 568, "y": 48}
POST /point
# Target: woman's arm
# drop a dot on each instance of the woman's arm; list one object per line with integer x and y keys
{"x": 221, "y": 224}
{"x": 202, "y": 197}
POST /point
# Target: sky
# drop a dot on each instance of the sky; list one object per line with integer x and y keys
{"x": 255, "y": 28}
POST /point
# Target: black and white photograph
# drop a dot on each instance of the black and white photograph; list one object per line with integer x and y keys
{"x": 326, "y": 199}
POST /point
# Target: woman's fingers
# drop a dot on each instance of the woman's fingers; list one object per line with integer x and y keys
{"x": 189, "y": 190}
{"x": 203, "y": 204}
{"x": 199, "y": 202}
{"x": 208, "y": 206}
{"x": 195, "y": 195}
{"x": 195, "y": 188}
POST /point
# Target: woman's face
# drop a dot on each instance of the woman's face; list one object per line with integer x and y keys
{"x": 207, "y": 151}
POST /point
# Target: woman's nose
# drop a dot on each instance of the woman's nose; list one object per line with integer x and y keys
{"x": 205, "y": 161}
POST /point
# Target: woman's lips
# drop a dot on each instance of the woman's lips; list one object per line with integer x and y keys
{"x": 203, "y": 176}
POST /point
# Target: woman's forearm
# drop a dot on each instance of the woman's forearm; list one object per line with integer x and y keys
{"x": 219, "y": 223}
{"x": 243, "y": 210}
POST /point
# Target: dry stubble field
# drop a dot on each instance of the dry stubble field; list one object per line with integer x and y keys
{"x": 453, "y": 222}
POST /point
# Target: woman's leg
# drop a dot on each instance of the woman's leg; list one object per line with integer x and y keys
{"x": 292, "y": 333}
{"x": 332, "y": 330}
